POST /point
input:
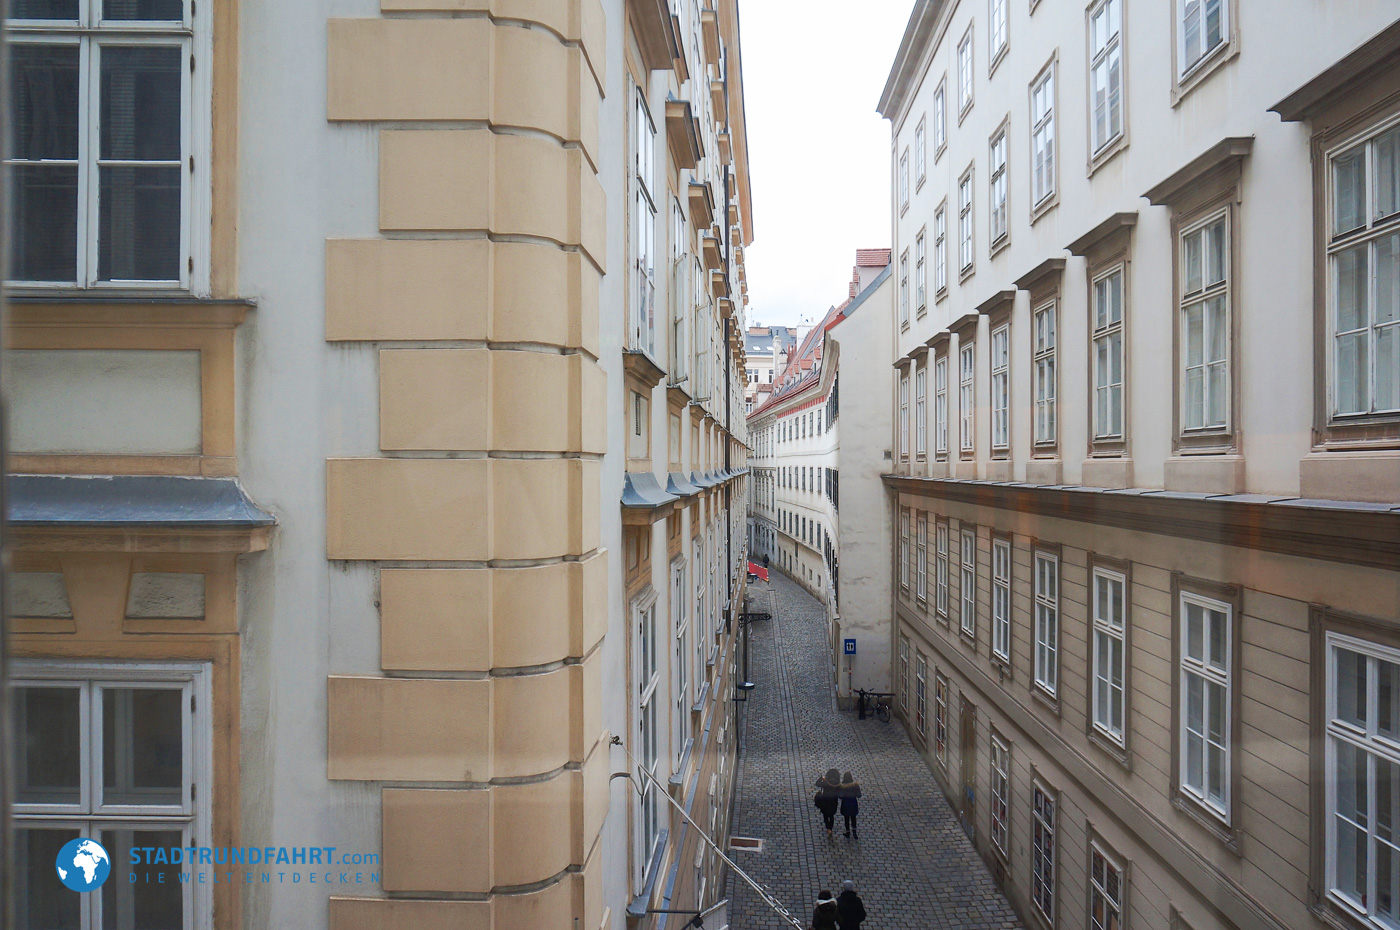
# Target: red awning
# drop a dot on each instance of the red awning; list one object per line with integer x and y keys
{"x": 759, "y": 570}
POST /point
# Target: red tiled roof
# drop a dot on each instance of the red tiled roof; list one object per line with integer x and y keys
{"x": 872, "y": 258}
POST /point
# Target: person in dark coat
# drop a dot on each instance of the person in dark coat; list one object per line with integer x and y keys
{"x": 849, "y": 794}
{"x": 824, "y": 914}
{"x": 850, "y": 909}
{"x": 828, "y": 797}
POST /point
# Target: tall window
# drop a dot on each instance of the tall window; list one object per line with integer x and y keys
{"x": 904, "y": 549}
{"x": 101, "y": 153}
{"x": 1108, "y": 355}
{"x": 904, "y": 672}
{"x": 921, "y": 558}
{"x": 920, "y": 412}
{"x": 680, "y": 294}
{"x": 1043, "y": 137}
{"x": 965, "y": 72}
{"x": 940, "y": 406}
{"x": 940, "y": 569}
{"x": 648, "y": 735}
{"x": 1044, "y": 361}
{"x": 940, "y": 250}
{"x": 1001, "y": 793}
{"x": 968, "y": 369}
{"x": 997, "y": 186}
{"x": 996, "y": 30}
{"x": 1109, "y": 710}
{"x": 680, "y": 600}
{"x": 1047, "y": 621}
{"x": 904, "y": 417}
{"x": 940, "y": 117}
{"x": 965, "y": 222}
{"x": 1001, "y": 599}
{"x": 904, "y": 180}
{"x": 150, "y": 726}
{"x": 1205, "y": 325}
{"x": 968, "y": 564}
{"x": 1043, "y": 851}
{"x": 1106, "y": 73}
{"x": 644, "y": 231}
{"x": 1001, "y": 389}
{"x": 1364, "y": 258}
{"x": 1363, "y": 766}
{"x": 920, "y": 273}
{"x": 904, "y": 287}
{"x": 940, "y": 719}
{"x": 920, "y": 151}
{"x": 1202, "y": 26}
{"x": 1205, "y": 687}
{"x": 1105, "y": 890}
{"x": 921, "y": 696}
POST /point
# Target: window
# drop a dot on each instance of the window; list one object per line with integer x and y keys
{"x": 1044, "y": 361}
{"x": 1043, "y": 852}
{"x": 1001, "y": 600}
{"x": 941, "y": 569}
{"x": 1047, "y": 622}
{"x": 1205, "y": 711}
{"x": 1364, "y": 262}
{"x": 920, "y": 151}
{"x": 922, "y": 558}
{"x": 965, "y": 221}
{"x": 921, "y": 696}
{"x": 904, "y": 181}
{"x": 1205, "y": 325}
{"x": 680, "y": 287}
{"x": 966, "y": 411}
{"x": 965, "y": 73}
{"x": 637, "y": 436}
{"x": 679, "y": 611}
{"x": 904, "y": 672}
{"x": 904, "y": 549}
{"x": 1001, "y": 390}
{"x": 1043, "y": 137}
{"x": 940, "y": 406}
{"x": 1001, "y": 794}
{"x": 644, "y": 232}
{"x": 940, "y": 719}
{"x": 940, "y": 250}
{"x": 904, "y": 417}
{"x": 996, "y": 31}
{"x": 1202, "y": 27}
{"x": 920, "y": 275}
{"x": 940, "y": 117}
{"x": 968, "y": 562}
{"x": 1105, "y": 74}
{"x": 145, "y": 727}
{"x": 997, "y": 186}
{"x": 1108, "y": 355}
{"x": 1106, "y": 882}
{"x": 103, "y": 150}
{"x": 1109, "y": 648}
{"x": 1363, "y": 778}
{"x": 920, "y": 417}
{"x": 904, "y": 287}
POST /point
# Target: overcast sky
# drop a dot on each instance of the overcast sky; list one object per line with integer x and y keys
{"x": 818, "y": 151}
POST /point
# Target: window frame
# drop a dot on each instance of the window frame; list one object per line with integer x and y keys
{"x": 1000, "y": 793}
{"x": 1118, "y": 746}
{"x": 904, "y": 290}
{"x": 967, "y": 73}
{"x": 996, "y": 51}
{"x": 920, "y": 152}
{"x": 967, "y": 399}
{"x": 1186, "y": 78}
{"x": 921, "y": 413}
{"x": 967, "y": 582}
{"x": 904, "y": 416}
{"x": 904, "y": 180}
{"x": 941, "y": 567}
{"x": 967, "y": 225}
{"x": 940, "y": 121}
{"x": 1041, "y": 792}
{"x": 921, "y": 695}
{"x": 1097, "y": 845}
{"x": 921, "y": 273}
{"x": 1218, "y": 437}
{"x": 642, "y": 321}
{"x": 904, "y": 542}
{"x": 940, "y": 250}
{"x": 1042, "y": 202}
{"x": 940, "y": 407}
{"x": 998, "y": 188}
{"x": 1002, "y": 625}
{"x": 1041, "y": 358}
{"x": 940, "y": 718}
{"x": 904, "y": 702}
{"x": 921, "y": 558}
{"x": 1000, "y": 395}
{"x": 1101, "y": 151}
{"x": 1045, "y": 679}
{"x": 1112, "y": 441}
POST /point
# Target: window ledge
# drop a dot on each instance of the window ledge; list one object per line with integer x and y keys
{"x": 1044, "y": 699}
{"x": 123, "y": 308}
{"x": 1045, "y": 206}
{"x": 1120, "y": 754}
{"x": 1107, "y": 153}
{"x": 965, "y": 273}
{"x": 1183, "y": 84}
{"x": 999, "y": 245}
{"x": 1228, "y": 836}
{"x": 1004, "y": 669}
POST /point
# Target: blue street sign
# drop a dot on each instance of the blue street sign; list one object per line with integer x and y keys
{"x": 850, "y": 647}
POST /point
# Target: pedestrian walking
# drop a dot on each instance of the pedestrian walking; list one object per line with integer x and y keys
{"x": 850, "y": 909}
{"x": 824, "y": 914}
{"x": 828, "y": 797}
{"x": 849, "y": 793}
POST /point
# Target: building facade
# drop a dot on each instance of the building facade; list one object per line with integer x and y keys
{"x": 1146, "y": 452}
{"x": 765, "y": 354}
{"x": 385, "y": 497}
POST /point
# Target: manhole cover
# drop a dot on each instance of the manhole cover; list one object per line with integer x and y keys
{"x": 746, "y": 843}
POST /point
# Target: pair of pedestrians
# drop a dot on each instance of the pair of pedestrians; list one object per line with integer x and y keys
{"x": 838, "y": 792}
{"x": 846, "y": 912}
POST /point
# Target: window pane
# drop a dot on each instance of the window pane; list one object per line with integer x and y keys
{"x": 1387, "y": 699}
{"x": 143, "y": 9}
{"x": 43, "y": 902}
{"x": 47, "y": 722}
{"x": 142, "y": 746}
{"x": 1351, "y": 374}
{"x": 1351, "y": 289}
{"x": 1387, "y": 826}
{"x": 1191, "y": 261}
{"x": 1386, "y": 157}
{"x": 141, "y": 102}
{"x": 134, "y": 897}
{"x": 44, "y": 213}
{"x": 1351, "y": 819}
{"x": 42, "y": 9}
{"x": 139, "y": 237}
{"x": 44, "y": 101}
{"x": 1387, "y": 279}
{"x": 1349, "y": 190}
{"x": 1218, "y": 621}
{"x": 1214, "y": 252}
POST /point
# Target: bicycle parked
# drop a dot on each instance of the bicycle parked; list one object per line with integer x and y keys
{"x": 877, "y": 701}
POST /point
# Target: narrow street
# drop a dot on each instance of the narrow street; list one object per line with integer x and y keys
{"x": 913, "y": 865}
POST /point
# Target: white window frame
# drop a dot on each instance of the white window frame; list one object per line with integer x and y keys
{"x": 940, "y": 250}
{"x": 194, "y": 36}
{"x": 1103, "y": 336}
{"x": 904, "y": 549}
{"x": 940, "y": 117}
{"x": 1001, "y": 794}
{"x": 967, "y": 256}
{"x": 940, "y": 568}
{"x": 1001, "y": 387}
{"x": 904, "y": 288}
{"x": 921, "y": 696}
{"x": 940, "y": 718}
{"x": 965, "y": 73}
{"x": 920, "y": 150}
{"x": 1001, "y": 599}
{"x": 996, "y": 186}
{"x": 1044, "y": 804}
{"x": 1045, "y": 571}
{"x": 921, "y": 412}
{"x": 1211, "y": 675}
{"x": 940, "y": 406}
{"x": 1101, "y": 897}
{"x": 1043, "y": 178}
{"x": 1184, "y": 9}
{"x": 904, "y": 417}
{"x": 921, "y": 558}
{"x": 904, "y": 672}
{"x": 967, "y": 587}
{"x": 998, "y": 32}
{"x": 1203, "y": 298}
{"x": 904, "y": 180}
{"x": 643, "y": 222}
{"x": 1044, "y": 323}
{"x": 1105, "y": 62}
{"x": 680, "y": 592}
{"x": 1108, "y": 655}
{"x": 967, "y": 397}
{"x": 920, "y": 273}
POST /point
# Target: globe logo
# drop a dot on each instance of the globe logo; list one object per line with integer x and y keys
{"x": 83, "y": 864}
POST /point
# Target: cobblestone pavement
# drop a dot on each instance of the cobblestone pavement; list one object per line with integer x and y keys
{"x": 913, "y": 865}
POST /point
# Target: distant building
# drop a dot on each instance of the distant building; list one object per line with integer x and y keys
{"x": 765, "y": 353}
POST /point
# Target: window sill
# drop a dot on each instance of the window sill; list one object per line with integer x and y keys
{"x": 1045, "y": 206}
{"x": 962, "y": 113}
{"x": 965, "y": 273}
{"x": 938, "y": 153}
{"x": 1182, "y": 85}
{"x": 1003, "y": 668}
{"x": 1228, "y": 836}
{"x": 123, "y": 308}
{"x": 1045, "y": 699}
{"x": 1119, "y": 754}
{"x": 922, "y": 312}
{"x": 1107, "y": 153}
{"x": 999, "y": 245}
{"x": 998, "y": 58}
{"x": 969, "y": 640}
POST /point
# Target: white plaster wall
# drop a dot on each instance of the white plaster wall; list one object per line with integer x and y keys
{"x": 112, "y": 401}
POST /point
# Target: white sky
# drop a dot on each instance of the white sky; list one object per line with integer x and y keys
{"x": 818, "y": 152}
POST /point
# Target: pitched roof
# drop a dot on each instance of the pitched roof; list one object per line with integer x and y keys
{"x": 872, "y": 258}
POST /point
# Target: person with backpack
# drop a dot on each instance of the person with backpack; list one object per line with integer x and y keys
{"x": 849, "y": 793}
{"x": 850, "y": 909}
{"x": 828, "y": 797}
{"x": 824, "y": 914}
